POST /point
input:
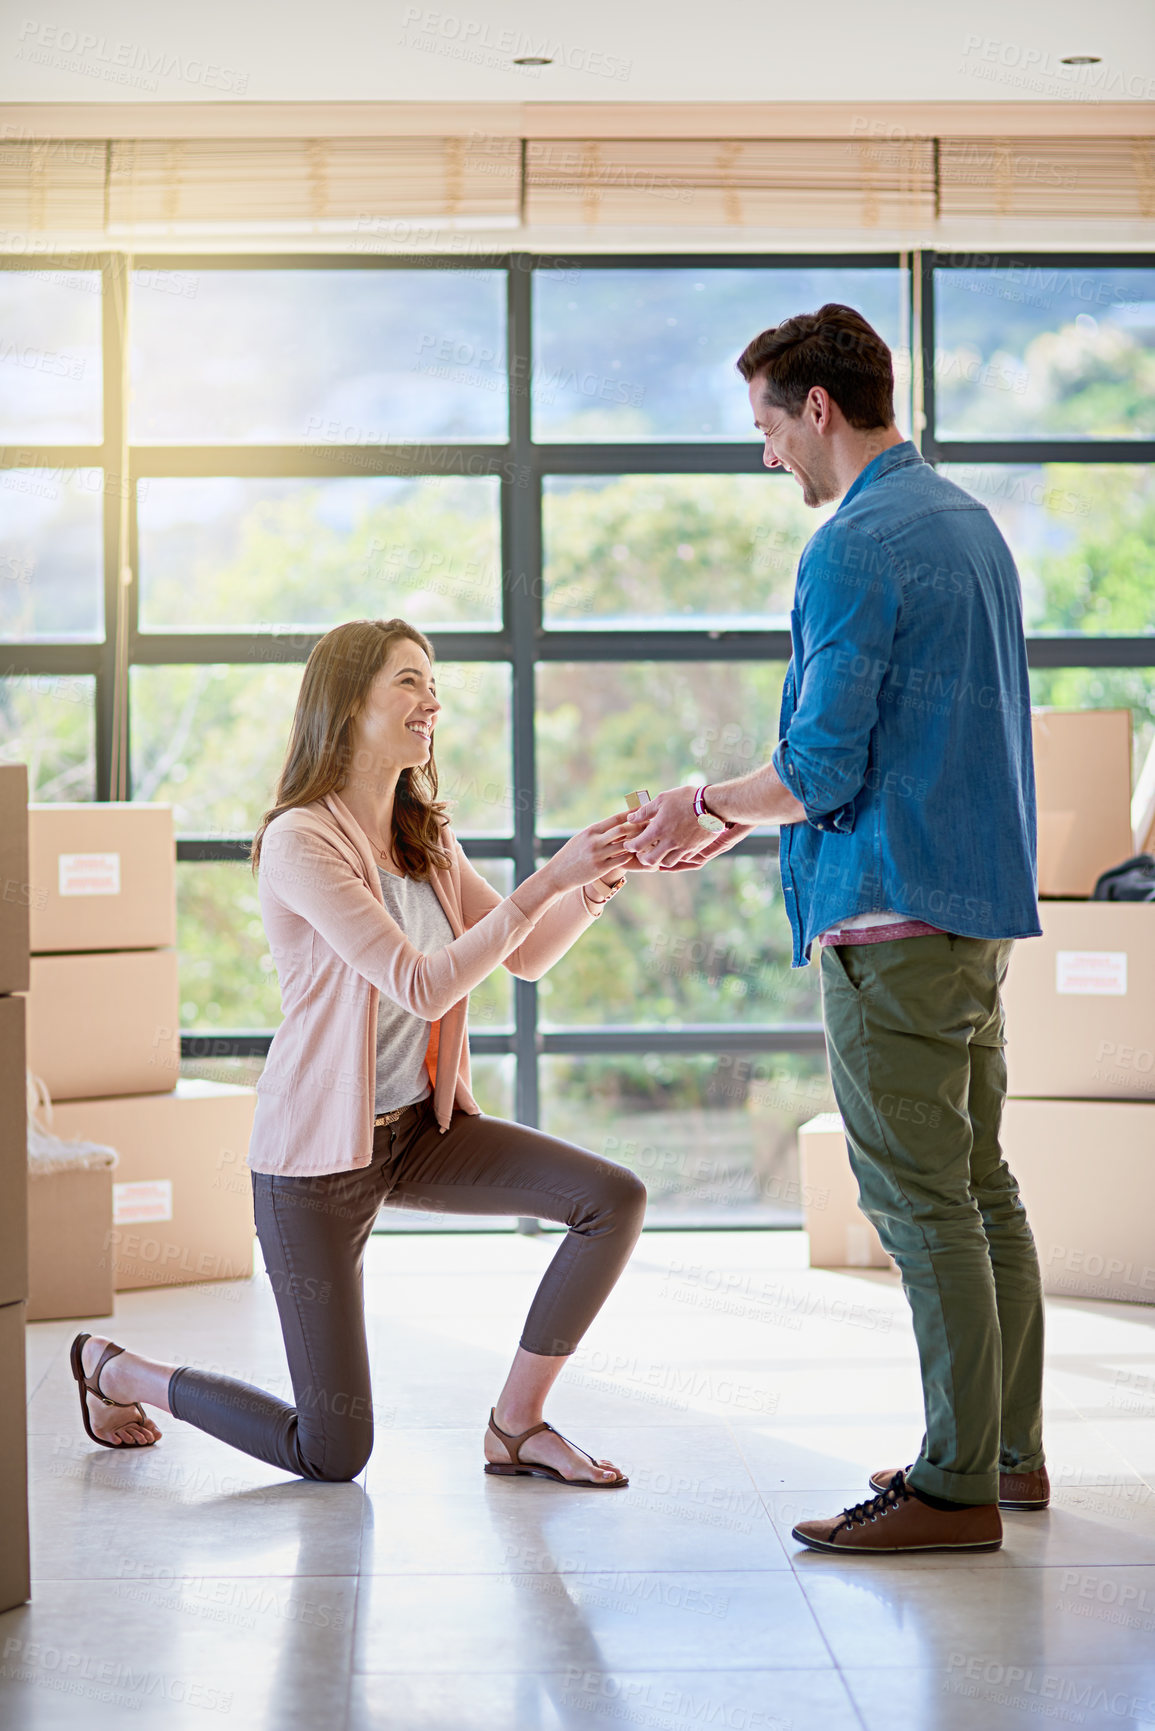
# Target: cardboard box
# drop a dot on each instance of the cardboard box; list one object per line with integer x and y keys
{"x": 1080, "y": 1004}
{"x": 15, "y": 1581}
{"x": 1143, "y": 806}
{"x": 69, "y": 1223}
{"x": 105, "y": 876}
{"x": 840, "y": 1234}
{"x": 15, "y": 879}
{"x": 105, "y": 1023}
{"x": 1086, "y": 1172}
{"x": 1083, "y": 795}
{"x": 13, "y": 1154}
{"x": 182, "y": 1194}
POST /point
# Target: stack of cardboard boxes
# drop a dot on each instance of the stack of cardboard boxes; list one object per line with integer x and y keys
{"x": 1079, "y": 1122}
{"x": 14, "y": 899}
{"x": 840, "y": 1235}
{"x": 104, "y": 1037}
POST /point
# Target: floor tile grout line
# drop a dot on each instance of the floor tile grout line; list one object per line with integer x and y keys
{"x": 852, "y": 1697}
{"x": 58, "y": 1355}
{"x": 907, "y": 1569}
{"x": 663, "y": 1667}
{"x": 796, "y": 1577}
{"x": 1146, "y": 1476}
{"x": 52, "y": 1580}
{"x": 356, "y": 1579}
{"x": 934, "y": 1572}
{"x": 644, "y": 1571}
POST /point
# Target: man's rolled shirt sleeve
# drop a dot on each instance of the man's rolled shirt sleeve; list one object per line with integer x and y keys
{"x": 847, "y": 604}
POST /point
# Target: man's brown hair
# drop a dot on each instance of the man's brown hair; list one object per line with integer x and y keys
{"x": 834, "y": 348}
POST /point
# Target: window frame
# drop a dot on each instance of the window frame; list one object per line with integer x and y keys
{"x": 522, "y": 641}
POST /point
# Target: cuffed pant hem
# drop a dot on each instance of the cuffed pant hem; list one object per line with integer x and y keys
{"x": 1033, "y": 1463}
{"x": 974, "y": 1488}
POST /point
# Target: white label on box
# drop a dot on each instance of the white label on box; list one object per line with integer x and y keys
{"x": 89, "y": 874}
{"x": 1091, "y": 973}
{"x": 151, "y": 1200}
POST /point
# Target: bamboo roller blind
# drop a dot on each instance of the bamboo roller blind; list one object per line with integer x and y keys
{"x": 105, "y": 186}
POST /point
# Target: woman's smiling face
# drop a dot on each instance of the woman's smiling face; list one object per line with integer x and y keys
{"x": 396, "y": 722}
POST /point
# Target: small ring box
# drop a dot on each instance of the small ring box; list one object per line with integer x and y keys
{"x": 634, "y": 800}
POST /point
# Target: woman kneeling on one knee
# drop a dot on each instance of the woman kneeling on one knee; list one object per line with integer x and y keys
{"x": 380, "y": 928}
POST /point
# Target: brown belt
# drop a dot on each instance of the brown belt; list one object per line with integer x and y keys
{"x": 389, "y": 1117}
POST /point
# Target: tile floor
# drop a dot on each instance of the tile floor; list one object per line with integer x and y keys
{"x": 188, "y": 1585}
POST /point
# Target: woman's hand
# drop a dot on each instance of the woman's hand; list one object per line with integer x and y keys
{"x": 632, "y": 863}
{"x": 593, "y": 853}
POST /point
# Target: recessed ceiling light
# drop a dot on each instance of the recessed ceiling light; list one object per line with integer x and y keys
{"x": 533, "y": 60}
{"x": 1081, "y": 60}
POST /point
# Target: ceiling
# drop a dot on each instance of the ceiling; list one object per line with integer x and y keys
{"x": 150, "y": 51}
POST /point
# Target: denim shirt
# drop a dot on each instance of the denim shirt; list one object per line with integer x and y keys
{"x": 905, "y": 730}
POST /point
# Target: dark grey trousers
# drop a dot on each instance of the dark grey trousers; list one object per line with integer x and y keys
{"x": 313, "y": 1233}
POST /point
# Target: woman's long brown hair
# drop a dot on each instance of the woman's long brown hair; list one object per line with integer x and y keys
{"x": 318, "y": 760}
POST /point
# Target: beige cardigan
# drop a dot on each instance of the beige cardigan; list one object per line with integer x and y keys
{"x": 336, "y": 949}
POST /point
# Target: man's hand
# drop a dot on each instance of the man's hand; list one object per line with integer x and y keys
{"x": 718, "y": 844}
{"x": 671, "y": 836}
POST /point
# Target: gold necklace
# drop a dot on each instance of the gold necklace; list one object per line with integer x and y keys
{"x": 376, "y": 845}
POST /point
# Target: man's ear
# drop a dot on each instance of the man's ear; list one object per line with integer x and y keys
{"x": 820, "y": 407}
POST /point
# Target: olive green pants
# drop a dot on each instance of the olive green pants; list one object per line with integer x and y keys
{"x": 914, "y": 1031}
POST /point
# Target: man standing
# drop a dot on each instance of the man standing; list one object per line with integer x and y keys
{"x": 904, "y": 788}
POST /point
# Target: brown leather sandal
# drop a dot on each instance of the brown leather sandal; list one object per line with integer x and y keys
{"x": 92, "y": 1386}
{"x": 536, "y": 1469}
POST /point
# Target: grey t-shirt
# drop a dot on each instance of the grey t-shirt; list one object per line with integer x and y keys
{"x": 402, "y": 1037}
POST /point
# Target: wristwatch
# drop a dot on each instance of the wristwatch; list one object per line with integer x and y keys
{"x": 707, "y": 819}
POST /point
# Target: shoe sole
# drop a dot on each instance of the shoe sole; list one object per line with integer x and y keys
{"x": 498, "y": 1470}
{"x": 888, "y": 1550}
{"x": 1012, "y": 1508}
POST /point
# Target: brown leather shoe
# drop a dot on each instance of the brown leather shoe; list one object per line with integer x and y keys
{"x": 1021, "y": 1492}
{"x": 897, "y": 1520}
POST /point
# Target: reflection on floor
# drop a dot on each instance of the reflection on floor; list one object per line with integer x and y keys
{"x": 743, "y": 1392}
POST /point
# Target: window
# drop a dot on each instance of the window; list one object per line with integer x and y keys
{"x": 684, "y": 948}
{"x": 1039, "y": 401}
{"x": 553, "y": 471}
{"x": 607, "y": 727}
{"x": 1083, "y": 536}
{"x": 1045, "y": 350}
{"x": 47, "y": 721}
{"x": 211, "y": 739}
{"x": 254, "y": 555}
{"x": 649, "y": 352}
{"x": 672, "y": 550}
{"x": 317, "y": 357}
{"x": 52, "y": 555}
{"x": 712, "y": 1137}
{"x": 50, "y": 361}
